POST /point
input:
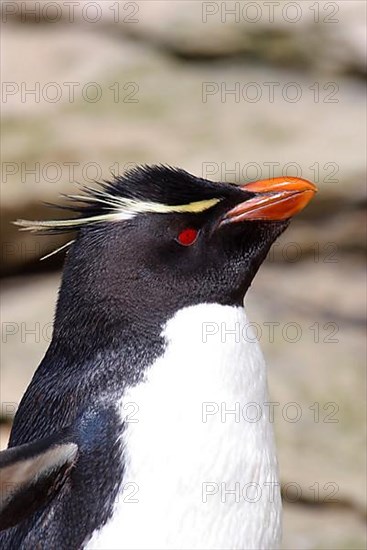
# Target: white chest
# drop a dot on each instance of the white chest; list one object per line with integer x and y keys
{"x": 201, "y": 469}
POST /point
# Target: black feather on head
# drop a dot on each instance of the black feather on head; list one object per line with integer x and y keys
{"x": 156, "y": 189}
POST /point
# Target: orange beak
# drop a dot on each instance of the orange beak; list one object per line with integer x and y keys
{"x": 274, "y": 199}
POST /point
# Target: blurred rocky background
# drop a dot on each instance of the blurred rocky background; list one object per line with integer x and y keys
{"x": 231, "y": 91}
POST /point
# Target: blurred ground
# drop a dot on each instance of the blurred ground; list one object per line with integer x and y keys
{"x": 165, "y": 85}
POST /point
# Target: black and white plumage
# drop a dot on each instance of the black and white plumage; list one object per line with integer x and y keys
{"x": 116, "y": 404}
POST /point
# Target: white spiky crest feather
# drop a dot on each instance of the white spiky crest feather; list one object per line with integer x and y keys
{"x": 121, "y": 208}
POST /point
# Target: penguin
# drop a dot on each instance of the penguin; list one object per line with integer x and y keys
{"x": 128, "y": 435}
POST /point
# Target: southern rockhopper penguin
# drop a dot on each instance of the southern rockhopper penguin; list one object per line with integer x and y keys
{"x": 109, "y": 447}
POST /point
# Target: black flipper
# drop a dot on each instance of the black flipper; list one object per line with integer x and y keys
{"x": 32, "y": 474}
{"x": 73, "y": 479}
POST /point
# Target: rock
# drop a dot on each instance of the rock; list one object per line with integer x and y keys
{"x": 289, "y": 34}
{"x": 4, "y": 436}
{"x": 57, "y": 151}
{"x": 313, "y": 528}
{"x": 328, "y": 36}
{"x": 27, "y": 308}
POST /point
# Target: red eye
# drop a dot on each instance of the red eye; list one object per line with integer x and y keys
{"x": 187, "y": 236}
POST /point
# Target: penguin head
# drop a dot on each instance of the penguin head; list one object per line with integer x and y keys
{"x": 159, "y": 239}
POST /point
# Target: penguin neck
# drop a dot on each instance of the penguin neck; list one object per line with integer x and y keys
{"x": 214, "y": 335}
{"x": 87, "y": 328}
